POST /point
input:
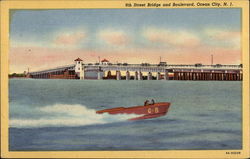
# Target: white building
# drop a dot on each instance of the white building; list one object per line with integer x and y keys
{"x": 79, "y": 70}
{"x": 104, "y": 62}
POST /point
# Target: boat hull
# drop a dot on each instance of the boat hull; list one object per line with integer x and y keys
{"x": 148, "y": 111}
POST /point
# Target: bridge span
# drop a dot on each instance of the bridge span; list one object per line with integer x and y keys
{"x": 79, "y": 70}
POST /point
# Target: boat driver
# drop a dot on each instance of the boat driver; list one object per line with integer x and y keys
{"x": 152, "y": 101}
{"x": 146, "y": 102}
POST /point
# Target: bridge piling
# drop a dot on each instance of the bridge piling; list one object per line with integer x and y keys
{"x": 166, "y": 77}
{"x": 140, "y": 76}
{"x": 99, "y": 75}
{"x": 118, "y": 75}
{"x": 127, "y": 75}
{"x": 136, "y": 75}
{"x": 158, "y": 76}
{"x": 149, "y": 76}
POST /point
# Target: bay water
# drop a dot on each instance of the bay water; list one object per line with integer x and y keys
{"x": 51, "y": 114}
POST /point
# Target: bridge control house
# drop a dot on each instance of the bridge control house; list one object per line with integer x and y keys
{"x": 106, "y": 70}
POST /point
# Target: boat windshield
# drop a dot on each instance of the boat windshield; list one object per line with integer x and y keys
{"x": 152, "y": 101}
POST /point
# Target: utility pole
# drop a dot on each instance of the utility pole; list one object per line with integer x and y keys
{"x": 99, "y": 59}
{"x": 160, "y": 59}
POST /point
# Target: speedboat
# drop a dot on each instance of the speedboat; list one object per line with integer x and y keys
{"x": 147, "y": 111}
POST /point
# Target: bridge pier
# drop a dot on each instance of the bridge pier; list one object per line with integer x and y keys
{"x": 193, "y": 76}
{"x": 82, "y": 74}
{"x": 235, "y": 76}
{"x": 140, "y": 76}
{"x": 212, "y": 76}
{"x": 188, "y": 75}
{"x": 109, "y": 75}
{"x": 149, "y": 76}
{"x": 185, "y": 76}
{"x": 225, "y": 75}
{"x": 99, "y": 77}
{"x": 217, "y": 75}
{"x": 118, "y": 75}
{"x": 175, "y": 76}
{"x": 197, "y": 76}
{"x": 166, "y": 75}
{"x": 232, "y": 76}
{"x": 127, "y": 75}
{"x": 240, "y": 76}
{"x": 136, "y": 76}
{"x": 228, "y": 76}
{"x": 182, "y": 76}
{"x": 201, "y": 76}
{"x": 205, "y": 76}
{"x": 221, "y": 76}
{"x": 158, "y": 76}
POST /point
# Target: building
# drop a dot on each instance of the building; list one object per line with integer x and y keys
{"x": 78, "y": 68}
{"x": 105, "y": 62}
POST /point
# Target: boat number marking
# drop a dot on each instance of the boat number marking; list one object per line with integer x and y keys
{"x": 149, "y": 110}
{"x": 156, "y": 110}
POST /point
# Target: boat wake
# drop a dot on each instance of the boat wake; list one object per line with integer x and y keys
{"x": 61, "y": 115}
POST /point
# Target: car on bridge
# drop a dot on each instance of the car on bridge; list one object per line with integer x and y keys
{"x": 145, "y": 64}
{"x": 162, "y": 64}
{"x": 198, "y": 64}
{"x": 218, "y": 65}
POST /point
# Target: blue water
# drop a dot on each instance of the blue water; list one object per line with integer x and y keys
{"x": 60, "y": 115}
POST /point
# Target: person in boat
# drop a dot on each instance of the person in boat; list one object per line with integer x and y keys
{"x": 146, "y": 102}
{"x": 152, "y": 101}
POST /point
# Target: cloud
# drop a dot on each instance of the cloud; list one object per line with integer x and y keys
{"x": 114, "y": 37}
{"x": 174, "y": 38}
{"x": 224, "y": 38}
{"x": 220, "y": 34}
{"x": 70, "y": 38}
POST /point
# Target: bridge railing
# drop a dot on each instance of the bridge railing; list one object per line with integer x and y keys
{"x": 54, "y": 69}
{"x": 156, "y": 66}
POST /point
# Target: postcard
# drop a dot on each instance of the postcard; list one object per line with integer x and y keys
{"x": 125, "y": 79}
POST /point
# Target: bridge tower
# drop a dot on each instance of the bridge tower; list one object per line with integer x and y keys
{"x": 79, "y": 70}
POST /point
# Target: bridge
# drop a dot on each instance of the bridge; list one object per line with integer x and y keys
{"x": 56, "y": 72}
{"x": 179, "y": 72}
{"x": 125, "y": 71}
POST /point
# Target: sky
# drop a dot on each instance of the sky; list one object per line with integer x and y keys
{"x": 41, "y": 39}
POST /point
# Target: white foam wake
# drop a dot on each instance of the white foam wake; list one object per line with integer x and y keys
{"x": 68, "y": 115}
